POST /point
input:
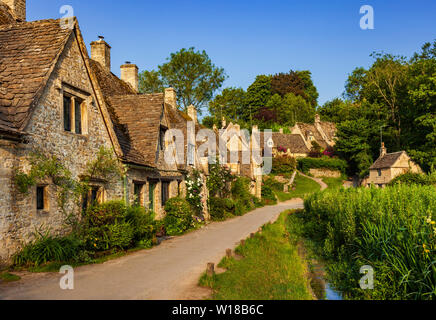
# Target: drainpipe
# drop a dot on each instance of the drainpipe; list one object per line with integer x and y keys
{"x": 126, "y": 189}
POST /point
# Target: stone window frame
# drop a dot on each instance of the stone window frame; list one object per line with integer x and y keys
{"x": 142, "y": 193}
{"x": 75, "y": 94}
{"x": 101, "y": 194}
{"x": 45, "y": 198}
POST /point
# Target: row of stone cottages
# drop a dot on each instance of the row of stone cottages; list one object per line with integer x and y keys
{"x": 56, "y": 99}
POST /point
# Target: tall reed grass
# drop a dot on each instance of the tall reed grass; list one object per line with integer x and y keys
{"x": 391, "y": 229}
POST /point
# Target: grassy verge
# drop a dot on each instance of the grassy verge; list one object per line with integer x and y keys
{"x": 8, "y": 277}
{"x": 271, "y": 269}
{"x": 334, "y": 183}
{"x": 303, "y": 187}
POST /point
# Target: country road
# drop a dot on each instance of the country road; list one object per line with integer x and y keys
{"x": 167, "y": 272}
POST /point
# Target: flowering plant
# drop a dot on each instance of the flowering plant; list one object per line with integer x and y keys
{"x": 194, "y": 187}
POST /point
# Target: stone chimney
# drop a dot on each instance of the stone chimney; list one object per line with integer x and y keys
{"x": 317, "y": 118}
{"x": 383, "y": 150}
{"x": 192, "y": 113}
{"x": 255, "y": 128}
{"x": 101, "y": 52}
{"x": 18, "y": 8}
{"x": 129, "y": 74}
{"x": 171, "y": 97}
{"x": 281, "y": 130}
{"x": 223, "y": 123}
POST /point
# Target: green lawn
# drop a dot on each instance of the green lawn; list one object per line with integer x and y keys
{"x": 334, "y": 183}
{"x": 304, "y": 186}
{"x": 270, "y": 270}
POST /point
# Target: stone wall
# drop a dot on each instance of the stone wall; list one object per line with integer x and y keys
{"x": 325, "y": 173}
{"x": 18, "y": 215}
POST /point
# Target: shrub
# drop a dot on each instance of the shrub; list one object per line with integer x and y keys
{"x": 178, "y": 217}
{"x": 283, "y": 165}
{"x": 268, "y": 195}
{"x": 244, "y": 200}
{"x": 105, "y": 214}
{"x": 218, "y": 180}
{"x": 46, "y": 248}
{"x": 305, "y": 164}
{"x": 120, "y": 235}
{"x": 410, "y": 178}
{"x": 143, "y": 223}
{"x": 220, "y": 208}
{"x": 391, "y": 229}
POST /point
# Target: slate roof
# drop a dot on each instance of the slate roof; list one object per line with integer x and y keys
{"x": 387, "y": 161}
{"x": 293, "y": 142}
{"x": 140, "y": 115}
{"x": 110, "y": 85}
{"x": 307, "y": 128}
{"x": 28, "y": 54}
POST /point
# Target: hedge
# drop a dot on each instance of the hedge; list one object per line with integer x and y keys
{"x": 305, "y": 164}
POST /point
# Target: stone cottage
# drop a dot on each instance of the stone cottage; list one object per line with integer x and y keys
{"x": 48, "y": 103}
{"x": 388, "y": 166}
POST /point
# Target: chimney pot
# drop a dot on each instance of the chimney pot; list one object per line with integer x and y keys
{"x": 101, "y": 52}
{"x": 383, "y": 150}
{"x": 192, "y": 113}
{"x": 129, "y": 74}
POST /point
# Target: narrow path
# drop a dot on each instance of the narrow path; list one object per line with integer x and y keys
{"x": 168, "y": 271}
{"x": 319, "y": 181}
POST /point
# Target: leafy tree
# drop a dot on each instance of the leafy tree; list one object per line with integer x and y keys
{"x": 258, "y": 95}
{"x": 230, "y": 104}
{"x": 297, "y": 109}
{"x": 310, "y": 90}
{"x": 150, "y": 82}
{"x": 191, "y": 73}
{"x": 284, "y": 83}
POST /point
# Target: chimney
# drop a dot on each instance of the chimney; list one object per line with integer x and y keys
{"x": 281, "y": 130}
{"x": 223, "y": 123}
{"x": 101, "y": 52}
{"x": 192, "y": 113}
{"x": 383, "y": 150}
{"x": 171, "y": 97}
{"x": 255, "y": 128}
{"x": 18, "y": 8}
{"x": 129, "y": 74}
{"x": 317, "y": 118}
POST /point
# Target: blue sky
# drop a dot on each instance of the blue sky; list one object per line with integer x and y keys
{"x": 248, "y": 38}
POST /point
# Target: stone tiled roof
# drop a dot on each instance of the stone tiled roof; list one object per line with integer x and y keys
{"x": 329, "y": 129}
{"x": 6, "y": 16}
{"x": 110, "y": 85}
{"x": 307, "y": 128}
{"x": 28, "y": 54}
{"x": 140, "y": 115}
{"x": 387, "y": 161}
{"x": 293, "y": 142}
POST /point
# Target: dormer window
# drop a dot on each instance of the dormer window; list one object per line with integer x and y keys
{"x": 74, "y": 114}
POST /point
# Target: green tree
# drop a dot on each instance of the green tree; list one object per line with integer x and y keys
{"x": 230, "y": 104}
{"x": 258, "y": 94}
{"x": 191, "y": 73}
{"x": 150, "y": 82}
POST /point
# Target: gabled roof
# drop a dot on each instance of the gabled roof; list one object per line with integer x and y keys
{"x": 293, "y": 142}
{"x": 310, "y": 129}
{"x": 387, "y": 161}
{"x": 140, "y": 115}
{"x": 29, "y": 52}
{"x": 109, "y": 85}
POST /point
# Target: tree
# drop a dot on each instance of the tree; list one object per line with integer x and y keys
{"x": 297, "y": 109}
{"x": 284, "y": 83}
{"x": 230, "y": 104}
{"x": 191, "y": 73}
{"x": 310, "y": 90}
{"x": 150, "y": 82}
{"x": 258, "y": 94}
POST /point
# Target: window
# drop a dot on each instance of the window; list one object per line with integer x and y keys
{"x": 41, "y": 198}
{"x": 94, "y": 195}
{"x": 74, "y": 115}
{"x": 379, "y": 172}
{"x": 162, "y": 133}
{"x": 138, "y": 189}
{"x": 165, "y": 193}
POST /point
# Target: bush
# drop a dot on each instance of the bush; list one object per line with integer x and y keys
{"x": 391, "y": 229}
{"x": 283, "y": 165}
{"x": 143, "y": 223}
{"x": 410, "y": 178}
{"x": 178, "y": 217}
{"x": 220, "y": 208}
{"x": 268, "y": 195}
{"x": 104, "y": 214}
{"x": 244, "y": 200}
{"x": 46, "y": 248}
{"x": 305, "y": 164}
{"x": 120, "y": 235}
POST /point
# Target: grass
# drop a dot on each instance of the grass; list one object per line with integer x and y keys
{"x": 303, "y": 187}
{"x": 270, "y": 270}
{"x": 8, "y": 277}
{"x": 334, "y": 183}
